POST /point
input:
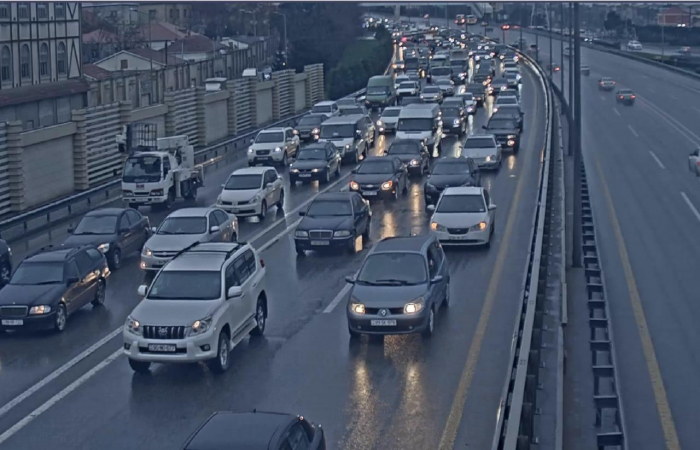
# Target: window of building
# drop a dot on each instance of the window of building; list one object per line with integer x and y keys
{"x": 6, "y": 64}
{"x": 25, "y": 62}
{"x": 172, "y": 13}
{"x": 184, "y": 13}
{"x": 47, "y": 113}
{"x": 44, "y": 66}
{"x": 177, "y": 13}
{"x": 4, "y": 11}
{"x": 42, "y": 10}
{"x": 23, "y": 10}
{"x": 124, "y": 64}
{"x": 61, "y": 60}
{"x": 59, "y": 10}
{"x": 152, "y": 14}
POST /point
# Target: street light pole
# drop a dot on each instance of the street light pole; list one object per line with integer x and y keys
{"x": 551, "y": 51}
{"x": 561, "y": 47}
{"x": 571, "y": 75}
{"x": 255, "y": 22}
{"x": 284, "y": 18}
{"x": 578, "y": 163}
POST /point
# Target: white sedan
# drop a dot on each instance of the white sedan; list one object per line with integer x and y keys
{"x": 251, "y": 191}
{"x": 463, "y": 216}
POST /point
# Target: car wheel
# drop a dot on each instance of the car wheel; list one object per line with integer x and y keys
{"x": 351, "y": 245}
{"x": 134, "y": 206}
{"x": 353, "y": 334}
{"x": 300, "y": 251}
{"x": 61, "y": 318}
{"x": 141, "y": 367}
{"x": 260, "y": 318}
{"x": 356, "y": 157}
{"x": 327, "y": 177}
{"x": 396, "y": 193}
{"x": 446, "y": 302}
{"x": 337, "y": 170}
{"x": 280, "y": 202}
{"x": 99, "y": 299}
{"x": 263, "y": 210}
{"x": 169, "y": 201}
{"x": 221, "y": 362}
{"x": 234, "y": 237}
{"x": 292, "y": 182}
{"x": 5, "y": 273}
{"x": 428, "y": 331}
{"x": 284, "y": 159}
{"x": 115, "y": 259}
{"x": 365, "y": 234}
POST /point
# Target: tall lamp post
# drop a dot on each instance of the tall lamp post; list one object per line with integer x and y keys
{"x": 255, "y": 22}
{"x": 284, "y": 17}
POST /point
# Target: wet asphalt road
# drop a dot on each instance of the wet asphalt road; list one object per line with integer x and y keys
{"x": 376, "y": 393}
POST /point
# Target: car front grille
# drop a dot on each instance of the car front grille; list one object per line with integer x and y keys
{"x": 163, "y": 332}
{"x": 169, "y": 254}
{"x": 320, "y": 234}
{"x": 262, "y": 152}
{"x": 13, "y": 311}
{"x": 458, "y": 230}
{"x": 375, "y": 311}
{"x": 227, "y": 203}
{"x": 369, "y": 187}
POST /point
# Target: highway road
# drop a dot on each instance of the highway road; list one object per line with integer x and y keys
{"x": 397, "y": 392}
{"x": 646, "y": 204}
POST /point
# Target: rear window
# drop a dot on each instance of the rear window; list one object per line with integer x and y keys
{"x": 391, "y": 113}
{"x": 479, "y": 143}
{"x": 264, "y": 138}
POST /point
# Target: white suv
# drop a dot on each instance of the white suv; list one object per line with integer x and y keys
{"x": 273, "y": 146}
{"x": 251, "y": 191}
{"x": 200, "y": 305}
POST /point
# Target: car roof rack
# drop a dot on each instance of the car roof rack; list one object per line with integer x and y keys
{"x": 229, "y": 253}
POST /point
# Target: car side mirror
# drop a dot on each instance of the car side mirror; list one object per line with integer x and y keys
{"x": 268, "y": 185}
{"x": 358, "y": 133}
{"x": 430, "y": 208}
{"x": 71, "y": 229}
{"x": 71, "y": 281}
{"x": 484, "y": 127}
{"x": 234, "y": 292}
{"x": 154, "y": 229}
{"x": 214, "y": 229}
{"x": 302, "y": 213}
{"x": 436, "y": 279}
{"x": 354, "y": 170}
{"x": 223, "y": 185}
{"x": 492, "y": 207}
{"x": 350, "y": 279}
{"x": 142, "y": 290}
{"x": 252, "y": 140}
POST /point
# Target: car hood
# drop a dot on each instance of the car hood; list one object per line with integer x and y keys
{"x": 171, "y": 242}
{"x": 447, "y": 119}
{"x": 406, "y": 157}
{"x": 372, "y": 178}
{"x": 307, "y": 127}
{"x": 76, "y": 240}
{"x": 173, "y": 312}
{"x": 325, "y": 223}
{"x": 238, "y": 195}
{"x": 339, "y": 142}
{"x": 391, "y": 120}
{"x": 31, "y": 295}
{"x": 443, "y": 181}
{"x": 386, "y": 296}
{"x": 459, "y": 220}
{"x": 479, "y": 152}
{"x": 414, "y": 134}
{"x": 308, "y": 164}
{"x": 267, "y": 146}
{"x": 502, "y": 131}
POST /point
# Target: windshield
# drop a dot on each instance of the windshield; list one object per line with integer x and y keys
{"x": 458, "y": 63}
{"x": 505, "y": 110}
{"x": 451, "y": 168}
{"x": 377, "y": 90}
{"x": 310, "y": 121}
{"x": 441, "y": 71}
{"x": 415, "y": 125}
{"x": 404, "y": 147}
{"x": 38, "y": 273}
{"x": 431, "y": 90}
{"x": 450, "y": 111}
{"x": 391, "y": 113}
{"x": 312, "y": 154}
{"x": 264, "y": 138}
{"x": 183, "y": 225}
{"x": 443, "y": 82}
{"x": 501, "y": 123}
{"x": 507, "y": 101}
{"x": 476, "y": 89}
{"x": 97, "y": 225}
{"x": 376, "y": 166}
{"x": 243, "y": 182}
{"x": 479, "y": 143}
{"x": 407, "y": 85}
{"x": 393, "y": 269}
{"x": 186, "y": 285}
{"x": 337, "y": 131}
{"x": 461, "y": 204}
{"x": 142, "y": 169}
{"x": 321, "y": 109}
{"x": 329, "y": 208}
{"x": 467, "y": 96}
{"x": 348, "y": 111}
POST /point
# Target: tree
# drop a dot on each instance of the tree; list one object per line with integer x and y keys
{"x": 613, "y": 22}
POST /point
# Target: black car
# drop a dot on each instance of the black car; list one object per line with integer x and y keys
{"x": 450, "y": 172}
{"x": 482, "y": 78}
{"x": 256, "y": 430}
{"x": 513, "y": 112}
{"x": 315, "y": 162}
{"x": 497, "y": 86}
{"x": 625, "y": 96}
{"x": 309, "y": 127}
{"x": 333, "y": 220}
{"x": 506, "y": 132}
{"x": 460, "y": 70}
{"x": 500, "y": 49}
{"x": 5, "y": 262}
{"x": 405, "y": 101}
{"x": 116, "y": 232}
{"x": 49, "y": 286}
{"x": 454, "y": 119}
{"x": 379, "y": 176}
{"x": 478, "y": 90}
{"x": 413, "y": 153}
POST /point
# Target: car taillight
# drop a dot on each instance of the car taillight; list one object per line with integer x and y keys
{"x": 634, "y": 96}
{"x": 621, "y": 97}
{"x": 262, "y": 262}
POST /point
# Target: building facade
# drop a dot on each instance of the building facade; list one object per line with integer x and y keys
{"x": 175, "y": 13}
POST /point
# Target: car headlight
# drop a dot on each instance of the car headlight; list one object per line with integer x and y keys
{"x": 437, "y": 227}
{"x": 347, "y": 146}
{"x": 315, "y": 131}
{"x": 294, "y": 170}
{"x": 200, "y": 326}
{"x": 380, "y": 123}
{"x": 295, "y": 131}
{"x": 414, "y": 306}
{"x": 481, "y": 226}
{"x": 511, "y": 142}
{"x": 147, "y": 252}
{"x": 342, "y": 233}
{"x": 488, "y": 159}
{"x": 356, "y": 307}
{"x": 251, "y": 151}
{"x": 495, "y": 109}
{"x": 39, "y": 310}
{"x": 301, "y": 233}
{"x": 354, "y": 186}
{"x": 133, "y": 326}
{"x": 512, "y": 136}
{"x": 414, "y": 162}
{"x": 422, "y": 97}
{"x": 104, "y": 248}
{"x": 470, "y": 108}
{"x": 387, "y": 185}
{"x": 255, "y": 199}
{"x": 278, "y": 149}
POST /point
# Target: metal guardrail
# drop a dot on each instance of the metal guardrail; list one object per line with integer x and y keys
{"x": 515, "y": 427}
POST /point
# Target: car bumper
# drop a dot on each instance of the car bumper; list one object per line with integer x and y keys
{"x": 320, "y": 244}
{"x": 187, "y": 350}
{"x": 452, "y": 129}
{"x": 405, "y": 324}
{"x": 387, "y": 128}
{"x": 145, "y": 200}
{"x": 28, "y": 323}
{"x": 472, "y": 238}
{"x": 484, "y": 165}
{"x": 152, "y": 262}
{"x": 261, "y": 159}
{"x": 308, "y": 176}
{"x": 374, "y": 194}
{"x": 249, "y": 209}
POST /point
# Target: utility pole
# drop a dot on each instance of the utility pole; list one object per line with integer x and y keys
{"x": 663, "y": 41}
{"x": 551, "y": 51}
{"x": 578, "y": 166}
{"x": 286, "y": 49}
{"x": 571, "y": 77}
{"x": 561, "y": 47}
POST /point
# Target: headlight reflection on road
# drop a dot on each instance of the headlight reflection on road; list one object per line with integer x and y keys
{"x": 380, "y": 145}
{"x": 510, "y": 163}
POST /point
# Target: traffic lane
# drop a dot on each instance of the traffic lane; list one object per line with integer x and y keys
{"x": 663, "y": 263}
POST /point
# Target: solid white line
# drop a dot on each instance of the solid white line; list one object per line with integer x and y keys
{"x": 58, "y": 372}
{"x": 616, "y": 111}
{"x": 656, "y": 158}
{"x": 690, "y": 204}
{"x": 634, "y": 132}
{"x": 673, "y": 96}
{"x": 337, "y": 299}
{"x": 276, "y": 238}
{"x": 603, "y": 98}
{"x": 58, "y": 397}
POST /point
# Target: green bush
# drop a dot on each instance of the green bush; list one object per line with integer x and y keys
{"x": 360, "y": 61}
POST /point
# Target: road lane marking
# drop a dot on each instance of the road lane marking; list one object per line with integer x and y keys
{"x": 343, "y": 292}
{"x": 616, "y": 111}
{"x": 682, "y": 129}
{"x": 673, "y": 96}
{"x": 58, "y": 397}
{"x": 282, "y": 233}
{"x": 656, "y": 158}
{"x": 603, "y": 98}
{"x": 690, "y": 204}
{"x": 696, "y": 109}
{"x": 634, "y": 132}
{"x": 657, "y": 382}
{"x": 58, "y": 372}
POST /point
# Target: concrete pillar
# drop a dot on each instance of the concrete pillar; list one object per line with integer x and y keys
{"x": 201, "y": 115}
{"x": 170, "y": 115}
{"x": 253, "y": 101}
{"x": 80, "y": 157}
{"x": 231, "y": 107}
{"x": 276, "y": 95}
{"x": 15, "y": 165}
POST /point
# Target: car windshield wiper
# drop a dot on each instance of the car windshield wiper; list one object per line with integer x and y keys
{"x": 86, "y": 233}
{"x": 45, "y": 282}
{"x": 393, "y": 281}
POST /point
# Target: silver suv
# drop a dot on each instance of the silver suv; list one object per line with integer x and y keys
{"x": 200, "y": 305}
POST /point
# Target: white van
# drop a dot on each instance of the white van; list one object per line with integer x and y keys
{"x": 421, "y": 121}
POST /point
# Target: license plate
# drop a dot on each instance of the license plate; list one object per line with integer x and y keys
{"x": 264, "y": 158}
{"x": 458, "y": 237}
{"x": 139, "y": 186}
{"x": 165, "y": 348}
{"x": 369, "y": 193}
{"x": 16, "y": 322}
{"x": 304, "y": 175}
{"x": 383, "y": 323}
{"x": 320, "y": 242}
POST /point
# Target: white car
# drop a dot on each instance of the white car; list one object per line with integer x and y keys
{"x": 408, "y": 89}
{"x": 484, "y": 150}
{"x": 446, "y": 86}
{"x": 389, "y": 119}
{"x": 199, "y": 306}
{"x": 505, "y": 100}
{"x": 329, "y": 108}
{"x": 634, "y": 46}
{"x": 251, "y": 192}
{"x": 273, "y": 146}
{"x": 400, "y": 79}
{"x": 463, "y": 216}
{"x": 469, "y": 102}
{"x": 694, "y": 162}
